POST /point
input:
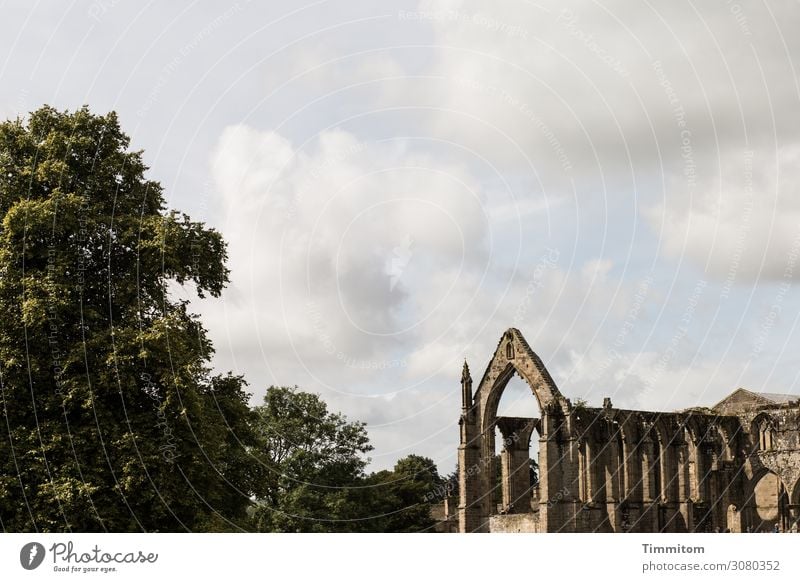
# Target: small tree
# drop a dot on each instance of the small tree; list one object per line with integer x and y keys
{"x": 404, "y": 496}
{"x": 312, "y": 464}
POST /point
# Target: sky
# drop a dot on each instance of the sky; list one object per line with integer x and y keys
{"x": 400, "y": 182}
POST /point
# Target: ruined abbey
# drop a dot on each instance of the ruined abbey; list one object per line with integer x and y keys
{"x": 732, "y": 467}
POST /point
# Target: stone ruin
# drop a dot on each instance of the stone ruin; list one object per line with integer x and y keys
{"x": 732, "y": 467}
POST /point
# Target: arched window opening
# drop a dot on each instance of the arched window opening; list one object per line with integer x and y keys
{"x": 766, "y": 435}
{"x": 769, "y": 505}
{"x": 516, "y": 450}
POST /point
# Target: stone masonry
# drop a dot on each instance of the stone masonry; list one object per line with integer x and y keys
{"x": 732, "y": 467}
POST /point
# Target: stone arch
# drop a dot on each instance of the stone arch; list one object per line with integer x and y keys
{"x": 616, "y": 472}
{"x": 516, "y": 487}
{"x": 630, "y": 433}
{"x": 668, "y": 437}
{"x": 694, "y": 430}
{"x": 767, "y": 502}
{"x": 480, "y": 418}
{"x": 794, "y": 507}
{"x": 514, "y": 355}
{"x": 703, "y": 510}
{"x": 489, "y": 399}
{"x": 648, "y": 449}
{"x": 711, "y": 448}
{"x": 662, "y": 459}
{"x": 729, "y": 475}
{"x": 726, "y": 439}
{"x": 628, "y": 467}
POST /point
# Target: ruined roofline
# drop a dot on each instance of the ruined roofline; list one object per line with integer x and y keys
{"x": 693, "y": 410}
{"x": 780, "y": 398}
{"x": 685, "y": 412}
{"x": 767, "y": 399}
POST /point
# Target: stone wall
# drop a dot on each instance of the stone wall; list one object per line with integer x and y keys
{"x": 734, "y": 467}
{"x": 514, "y": 523}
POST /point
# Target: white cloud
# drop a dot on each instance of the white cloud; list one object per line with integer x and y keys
{"x": 342, "y": 249}
{"x": 740, "y": 223}
{"x": 608, "y": 79}
{"x": 638, "y": 104}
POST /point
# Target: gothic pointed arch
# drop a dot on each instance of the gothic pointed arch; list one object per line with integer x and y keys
{"x": 514, "y": 355}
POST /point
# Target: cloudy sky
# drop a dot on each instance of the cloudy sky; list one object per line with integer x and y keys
{"x": 401, "y": 182}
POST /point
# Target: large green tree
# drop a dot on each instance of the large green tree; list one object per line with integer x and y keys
{"x": 111, "y": 419}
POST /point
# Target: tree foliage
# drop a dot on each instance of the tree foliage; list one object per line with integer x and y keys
{"x": 404, "y": 496}
{"x": 314, "y": 464}
{"x": 112, "y": 420}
